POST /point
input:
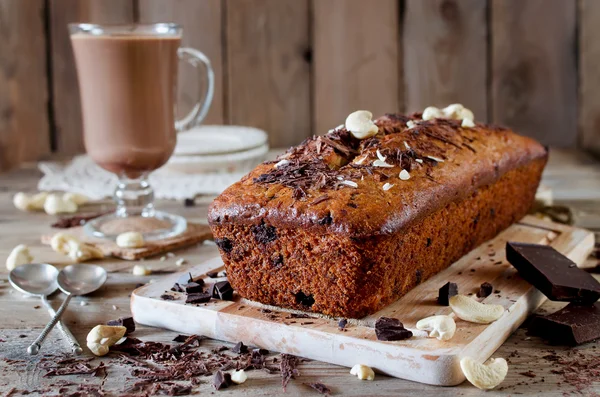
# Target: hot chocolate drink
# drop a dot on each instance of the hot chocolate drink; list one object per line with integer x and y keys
{"x": 128, "y": 85}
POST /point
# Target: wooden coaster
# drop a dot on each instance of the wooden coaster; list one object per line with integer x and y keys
{"x": 195, "y": 233}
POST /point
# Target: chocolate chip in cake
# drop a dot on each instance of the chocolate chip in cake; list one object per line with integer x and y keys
{"x": 126, "y": 322}
{"x": 221, "y": 380}
{"x": 263, "y": 233}
{"x": 304, "y": 300}
{"x": 200, "y": 297}
{"x": 418, "y": 276}
{"x": 391, "y": 329}
{"x": 224, "y": 244}
{"x": 326, "y": 220}
{"x": 193, "y": 287}
{"x": 485, "y": 290}
{"x": 428, "y": 242}
{"x": 240, "y": 348}
{"x": 449, "y": 289}
{"x": 222, "y": 290}
{"x": 276, "y": 260}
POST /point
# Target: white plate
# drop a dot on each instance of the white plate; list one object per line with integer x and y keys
{"x": 243, "y": 161}
{"x": 218, "y": 139}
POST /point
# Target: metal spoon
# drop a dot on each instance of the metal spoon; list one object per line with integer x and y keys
{"x": 73, "y": 280}
{"x": 39, "y": 279}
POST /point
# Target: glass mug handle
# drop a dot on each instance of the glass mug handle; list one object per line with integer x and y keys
{"x": 198, "y": 112}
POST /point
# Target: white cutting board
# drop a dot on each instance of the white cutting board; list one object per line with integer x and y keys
{"x": 419, "y": 358}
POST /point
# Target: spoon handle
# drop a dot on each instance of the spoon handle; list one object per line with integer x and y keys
{"x": 35, "y": 346}
{"x": 75, "y": 346}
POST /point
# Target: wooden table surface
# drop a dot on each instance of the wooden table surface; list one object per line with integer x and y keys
{"x": 573, "y": 176}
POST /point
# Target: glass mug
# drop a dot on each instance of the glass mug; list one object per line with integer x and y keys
{"x": 128, "y": 86}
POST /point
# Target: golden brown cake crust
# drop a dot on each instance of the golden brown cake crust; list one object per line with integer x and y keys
{"x": 295, "y": 236}
{"x": 473, "y": 157}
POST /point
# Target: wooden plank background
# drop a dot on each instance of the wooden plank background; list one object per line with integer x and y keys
{"x": 298, "y": 67}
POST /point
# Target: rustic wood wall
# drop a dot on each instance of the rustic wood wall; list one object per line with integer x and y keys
{"x": 298, "y": 67}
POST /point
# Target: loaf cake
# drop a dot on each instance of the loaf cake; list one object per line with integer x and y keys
{"x": 346, "y": 223}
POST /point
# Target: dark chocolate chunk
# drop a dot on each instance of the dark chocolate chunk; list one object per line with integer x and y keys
{"x": 391, "y": 329}
{"x": 189, "y": 202}
{"x": 448, "y": 290}
{"x": 214, "y": 274}
{"x": 418, "y": 276}
{"x": 240, "y": 348}
{"x": 551, "y": 272}
{"x": 319, "y": 387}
{"x": 193, "y": 287}
{"x": 342, "y": 323}
{"x": 200, "y": 297}
{"x": 222, "y": 290}
{"x": 304, "y": 300}
{"x": 126, "y": 322}
{"x": 167, "y": 297}
{"x": 277, "y": 260}
{"x": 224, "y": 244}
{"x": 572, "y": 325}
{"x": 221, "y": 380}
{"x": 485, "y": 290}
{"x": 264, "y": 234}
{"x": 177, "y": 288}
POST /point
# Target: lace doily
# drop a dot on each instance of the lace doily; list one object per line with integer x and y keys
{"x": 82, "y": 175}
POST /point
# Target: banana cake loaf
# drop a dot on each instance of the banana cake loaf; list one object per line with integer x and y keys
{"x": 346, "y": 223}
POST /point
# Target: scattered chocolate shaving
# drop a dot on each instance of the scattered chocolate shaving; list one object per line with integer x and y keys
{"x": 222, "y": 290}
{"x": 485, "y": 290}
{"x": 200, "y": 297}
{"x": 288, "y": 369}
{"x": 320, "y": 199}
{"x": 529, "y": 374}
{"x": 76, "y": 220}
{"x": 180, "y": 338}
{"x": 68, "y": 366}
{"x": 391, "y": 329}
{"x": 167, "y": 297}
{"x": 100, "y": 371}
{"x": 240, "y": 348}
{"x": 319, "y": 387}
{"x": 298, "y": 315}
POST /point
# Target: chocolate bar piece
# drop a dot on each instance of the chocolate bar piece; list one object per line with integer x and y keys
{"x": 555, "y": 275}
{"x": 222, "y": 290}
{"x": 126, "y": 322}
{"x": 571, "y": 325}
{"x": 200, "y": 297}
{"x": 192, "y": 287}
{"x": 448, "y": 290}
{"x": 391, "y": 329}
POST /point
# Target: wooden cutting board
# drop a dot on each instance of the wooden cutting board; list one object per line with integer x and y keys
{"x": 419, "y": 358}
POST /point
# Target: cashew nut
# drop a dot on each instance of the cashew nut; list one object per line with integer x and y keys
{"x": 139, "y": 270}
{"x": 470, "y": 310}
{"x": 361, "y": 125}
{"x": 484, "y": 376}
{"x": 239, "y": 377}
{"x": 431, "y": 112}
{"x": 25, "y": 202}
{"x": 78, "y": 251}
{"x": 456, "y": 111}
{"x": 18, "y": 256}
{"x": 130, "y": 240}
{"x": 441, "y": 327}
{"x": 101, "y": 337}
{"x": 56, "y": 204}
{"x": 362, "y": 372}
{"x": 77, "y": 198}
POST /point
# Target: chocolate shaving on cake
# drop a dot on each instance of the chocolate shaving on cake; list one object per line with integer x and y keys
{"x": 288, "y": 369}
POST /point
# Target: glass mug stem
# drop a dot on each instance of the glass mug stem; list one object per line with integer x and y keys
{"x": 134, "y": 197}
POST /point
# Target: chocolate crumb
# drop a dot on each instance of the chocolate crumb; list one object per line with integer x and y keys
{"x": 180, "y": 338}
{"x": 342, "y": 324}
{"x": 176, "y": 288}
{"x": 288, "y": 369}
{"x": 485, "y": 290}
{"x": 529, "y": 374}
{"x": 167, "y": 297}
{"x": 213, "y": 274}
{"x": 189, "y": 202}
